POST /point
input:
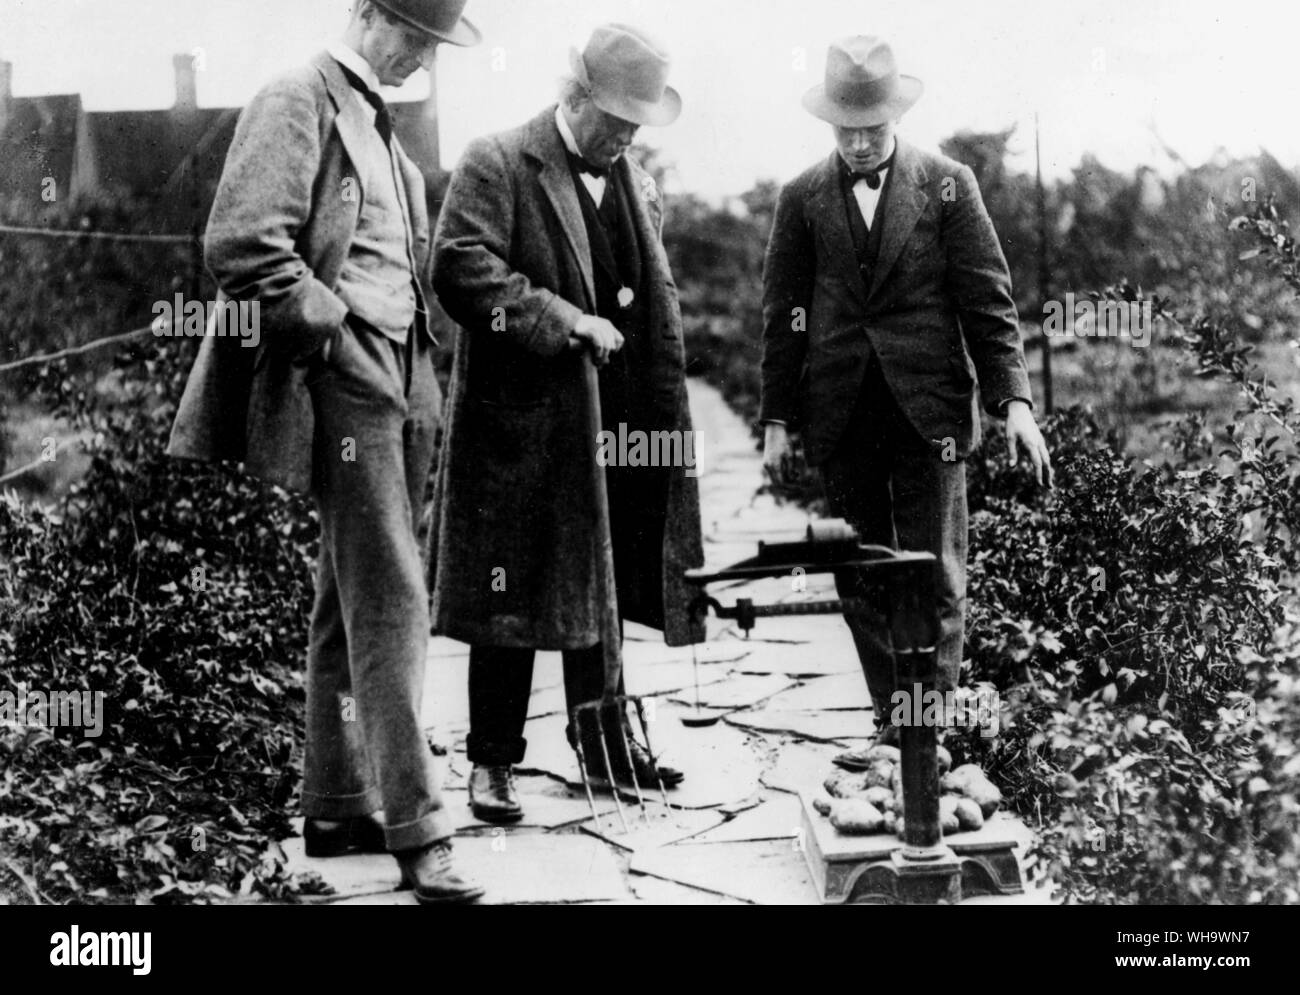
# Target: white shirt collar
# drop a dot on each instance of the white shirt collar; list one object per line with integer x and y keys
{"x": 566, "y": 133}
{"x": 353, "y": 60}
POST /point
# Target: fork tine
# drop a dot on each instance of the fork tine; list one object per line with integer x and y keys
{"x": 645, "y": 732}
{"x": 598, "y": 708}
{"x": 575, "y": 717}
{"x": 627, "y": 752}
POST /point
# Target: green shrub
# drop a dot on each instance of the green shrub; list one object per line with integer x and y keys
{"x": 181, "y": 593}
{"x": 1139, "y": 624}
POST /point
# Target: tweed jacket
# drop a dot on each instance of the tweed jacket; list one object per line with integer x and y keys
{"x": 282, "y": 222}
{"x": 938, "y": 311}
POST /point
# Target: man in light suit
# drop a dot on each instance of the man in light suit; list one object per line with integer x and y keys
{"x": 548, "y": 245}
{"x": 884, "y": 283}
{"x": 320, "y": 218}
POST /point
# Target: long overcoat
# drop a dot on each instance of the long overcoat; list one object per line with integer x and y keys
{"x": 514, "y": 539}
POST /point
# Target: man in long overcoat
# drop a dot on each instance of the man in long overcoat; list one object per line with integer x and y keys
{"x": 886, "y": 299}
{"x": 320, "y": 220}
{"x": 548, "y": 254}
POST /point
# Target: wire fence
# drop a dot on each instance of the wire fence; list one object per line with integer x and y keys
{"x": 52, "y": 357}
{"x": 101, "y": 235}
{"x": 105, "y": 236}
{"x": 47, "y": 358}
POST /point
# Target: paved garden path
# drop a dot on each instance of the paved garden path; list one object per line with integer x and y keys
{"x": 789, "y": 698}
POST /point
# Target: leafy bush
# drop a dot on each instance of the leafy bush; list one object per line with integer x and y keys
{"x": 181, "y": 593}
{"x": 1137, "y": 624}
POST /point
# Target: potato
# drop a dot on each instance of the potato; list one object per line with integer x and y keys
{"x": 880, "y": 797}
{"x": 945, "y": 761}
{"x": 983, "y": 793}
{"x": 948, "y": 815}
{"x": 950, "y": 784}
{"x": 970, "y": 781}
{"x": 856, "y": 816}
{"x": 822, "y": 804}
{"x": 889, "y": 753}
{"x": 845, "y": 784}
{"x": 969, "y": 815}
{"x": 880, "y": 774}
{"x": 892, "y": 823}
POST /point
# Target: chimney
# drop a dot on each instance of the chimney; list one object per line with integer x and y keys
{"x": 187, "y": 98}
{"x": 6, "y": 92}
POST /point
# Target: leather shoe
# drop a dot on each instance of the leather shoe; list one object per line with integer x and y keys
{"x": 649, "y": 773}
{"x": 429, "y": 870}
{"x": 364, "y": 834}
{"x": 492, "y": 794}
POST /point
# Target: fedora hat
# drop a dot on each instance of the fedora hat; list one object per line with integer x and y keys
{"x": 440, "y": 18}
{"x": 863, "y": 87}
{"x": 626, "y": 74}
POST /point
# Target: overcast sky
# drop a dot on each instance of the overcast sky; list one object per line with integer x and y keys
{"x": 1102, "y": 73}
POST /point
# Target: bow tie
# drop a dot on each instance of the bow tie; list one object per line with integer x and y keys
{"x": 583, "y": 166}
{"x": 872, "y": 176}
{"x": 383, "y": 119}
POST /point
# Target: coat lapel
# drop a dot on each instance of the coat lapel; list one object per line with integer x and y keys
{"x": 351, "y": 123}
{"x": 828, "y": 208}
{"x": 546, "y": 148}
{"x": 905, "y": 200}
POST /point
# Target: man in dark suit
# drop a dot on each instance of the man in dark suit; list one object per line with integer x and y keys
{"x": 884, "y": 282}
{"x": 548, "y": 246}
{"x": 320, "y": 218}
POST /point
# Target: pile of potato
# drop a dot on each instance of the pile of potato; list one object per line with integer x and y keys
{"x": 861, "y": 803}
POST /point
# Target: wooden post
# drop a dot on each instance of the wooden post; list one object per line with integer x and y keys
{"x": 1044, "y": 273}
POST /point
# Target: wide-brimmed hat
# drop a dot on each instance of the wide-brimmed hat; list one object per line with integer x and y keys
{"x": 626, "y": 74}
{"x": 440, "y": 18}
{"x": 863, "y": 87}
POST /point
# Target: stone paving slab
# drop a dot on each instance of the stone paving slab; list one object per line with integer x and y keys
{"x": 832, "y": 693}
{"x": 824, "y": 727}
{"x": 741, "y": 691}
{"x": 547, "y": 804}
{"x": 656, "y": 891}
{"x": 834, "y": 654}
{"x": 764, "y": 873}
{"x": 657, "y": 827}
{"x": 523, "y": 869}
{"x": 801, "y": 766}
{"x": 778, "y": 817}
{"x": 355, "y": 876}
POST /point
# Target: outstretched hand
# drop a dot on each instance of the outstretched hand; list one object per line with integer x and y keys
{"x": 779, "y": 460}
{"x": 1023, "y": 435}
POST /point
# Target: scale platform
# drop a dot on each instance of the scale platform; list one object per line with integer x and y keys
{"x": 858, "y": 870}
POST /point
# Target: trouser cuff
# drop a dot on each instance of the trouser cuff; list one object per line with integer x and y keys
{"x": 495, "y": 753}
{"x": 429, "y": 828}
{"x": 335, "y": 808}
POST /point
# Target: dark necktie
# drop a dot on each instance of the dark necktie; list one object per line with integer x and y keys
{"x": 383, "y": 120}
{"x": 583, "y": 166}
{"x": 872, "y": 176}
